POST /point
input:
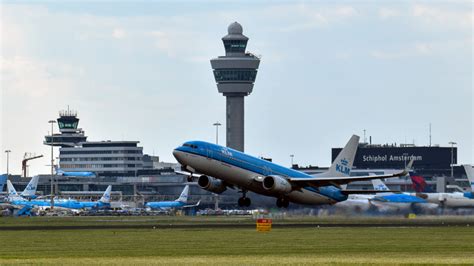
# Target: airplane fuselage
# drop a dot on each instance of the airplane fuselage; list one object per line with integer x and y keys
{"x": 165, "y": 205}
{"x": 247, "y": 172}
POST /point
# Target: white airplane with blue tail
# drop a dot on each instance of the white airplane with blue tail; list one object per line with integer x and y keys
{"x": 179, "y": 203}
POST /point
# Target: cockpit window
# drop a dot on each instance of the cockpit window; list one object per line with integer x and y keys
{"x": 190, "y": 145}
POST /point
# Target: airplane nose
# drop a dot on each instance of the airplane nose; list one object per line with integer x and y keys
{"x": 178, "y": 155}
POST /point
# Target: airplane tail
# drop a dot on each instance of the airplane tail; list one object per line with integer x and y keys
{"x": 106, "y": 197}
{"x": 419, "y": 184}
{"x": 59, "y": 171}
{"x": 342, "y": 165}
{"x": 379, "y": 185}
{"x": 11, "y": 189}
{"x": 3, "y": 180}
{"x": 30, "y": 190}
{"x": 470, "y": 175}
{"x": 184, "y": 195}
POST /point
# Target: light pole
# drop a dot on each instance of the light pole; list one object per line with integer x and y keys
{"x": 216, "y": 196}
{"x": 52, "y": 162}
{"x": 8, "y": 160}
{"x": 292, "y": 156}
{"x": 452, "y": 157}
{"x": 217, "y": 124}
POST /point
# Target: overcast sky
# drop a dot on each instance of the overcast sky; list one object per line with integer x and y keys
{"x": 141, "y": 71}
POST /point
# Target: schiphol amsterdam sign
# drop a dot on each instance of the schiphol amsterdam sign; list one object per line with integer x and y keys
{"x": 391, "y": 158}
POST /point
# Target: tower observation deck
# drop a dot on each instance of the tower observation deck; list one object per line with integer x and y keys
{"x": 70, "y": 135}
{"x": 235, "y": 75}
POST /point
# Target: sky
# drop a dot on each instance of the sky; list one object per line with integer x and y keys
{"x": 329, "y": 69}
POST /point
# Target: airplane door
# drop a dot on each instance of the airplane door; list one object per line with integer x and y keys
{"x": 209, "y": 154}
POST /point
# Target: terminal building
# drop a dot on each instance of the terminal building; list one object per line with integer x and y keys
{"x": 429, "y": 161}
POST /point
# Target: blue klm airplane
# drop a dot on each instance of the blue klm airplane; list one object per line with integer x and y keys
{"x": 179, "y": 203}
{"x": 3, "y": 180}
{"x": 75, "y": 174}
{"x": 389, "y": 201}
{"x": 28, "y": 193}
{"x": 217, "y": 168}
{"x": 18, "y": 200}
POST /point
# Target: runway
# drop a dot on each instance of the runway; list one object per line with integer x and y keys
{"x": 233, "y": 226}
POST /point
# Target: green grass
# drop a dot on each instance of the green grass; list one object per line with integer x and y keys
{"x": 280, "y": 219}
{"x": 448, "y": 245}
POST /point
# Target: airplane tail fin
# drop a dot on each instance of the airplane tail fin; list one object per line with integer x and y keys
{"x": 3, "y": 180}
{"x": 379, "y": 185}
{"x": 30, "y": 190}
{"x": 59, "y": 171}
{"x": 470, "y": 175}
{"x": 184, "y": 195}
{"x": 419, "y": 184}
{"x": 106, "y": 197}
{"x": 11, "y": 189}
{"x": 342, "y": 165}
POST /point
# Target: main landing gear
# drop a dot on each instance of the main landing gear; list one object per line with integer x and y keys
{"x": 282, "y": 203}
{"x": 244, "y": 201}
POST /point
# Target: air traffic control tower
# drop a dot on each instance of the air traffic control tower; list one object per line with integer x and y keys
{"x": 235, "y": 74}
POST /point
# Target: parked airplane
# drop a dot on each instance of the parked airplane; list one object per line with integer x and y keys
{"x": 389, "y": 201}
{"x": 179, "y": 203}
{"x": 446, "y": 200}
{"x": 104, "y": 202}
{"x": 470, "y": 176}
{"x": 3, "y": 180}
{"x": 218, "y": 167}
{"x": 28, "y": 193}
{"x": 74, "y": 174}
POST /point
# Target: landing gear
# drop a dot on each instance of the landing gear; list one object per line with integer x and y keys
{"x": 244, "y": 201}
{"x": 283, "y": 203}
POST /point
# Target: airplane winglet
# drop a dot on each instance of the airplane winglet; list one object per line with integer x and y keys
{"x": 408, "y": 167}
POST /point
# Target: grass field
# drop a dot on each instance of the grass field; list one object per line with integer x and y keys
{"x": 219, "y": 246}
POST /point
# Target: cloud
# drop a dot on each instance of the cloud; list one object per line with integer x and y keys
{"x": 306, "y": 17}
{"x": 443, "y": 16}
{"x": 387, "y": 13}
{"x": 118, "y": 33}
{"x": 423, "y": 48}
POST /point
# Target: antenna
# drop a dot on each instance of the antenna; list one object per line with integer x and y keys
{"x": 430, "y": 134}
{"x": 365, "y": 140}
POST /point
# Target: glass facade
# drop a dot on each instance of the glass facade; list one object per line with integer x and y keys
{"x": 79, "y": 151}
{"x": 222, "y": 75}
{"x": 235, "y": 46}
{"x": 68, "y": 124}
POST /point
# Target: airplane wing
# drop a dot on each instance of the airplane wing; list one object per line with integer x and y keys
{"x": 337, "y": 181}
{"x": 190, "y": 206}
{"x": 326, "y": 181}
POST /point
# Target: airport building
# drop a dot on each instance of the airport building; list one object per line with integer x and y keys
{"x": 429, "y": 161}
{"x": 105, "y": 158}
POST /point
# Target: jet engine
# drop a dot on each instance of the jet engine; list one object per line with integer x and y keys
{"x": 211, "y": 184}
{"x": 276, "y": 183}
